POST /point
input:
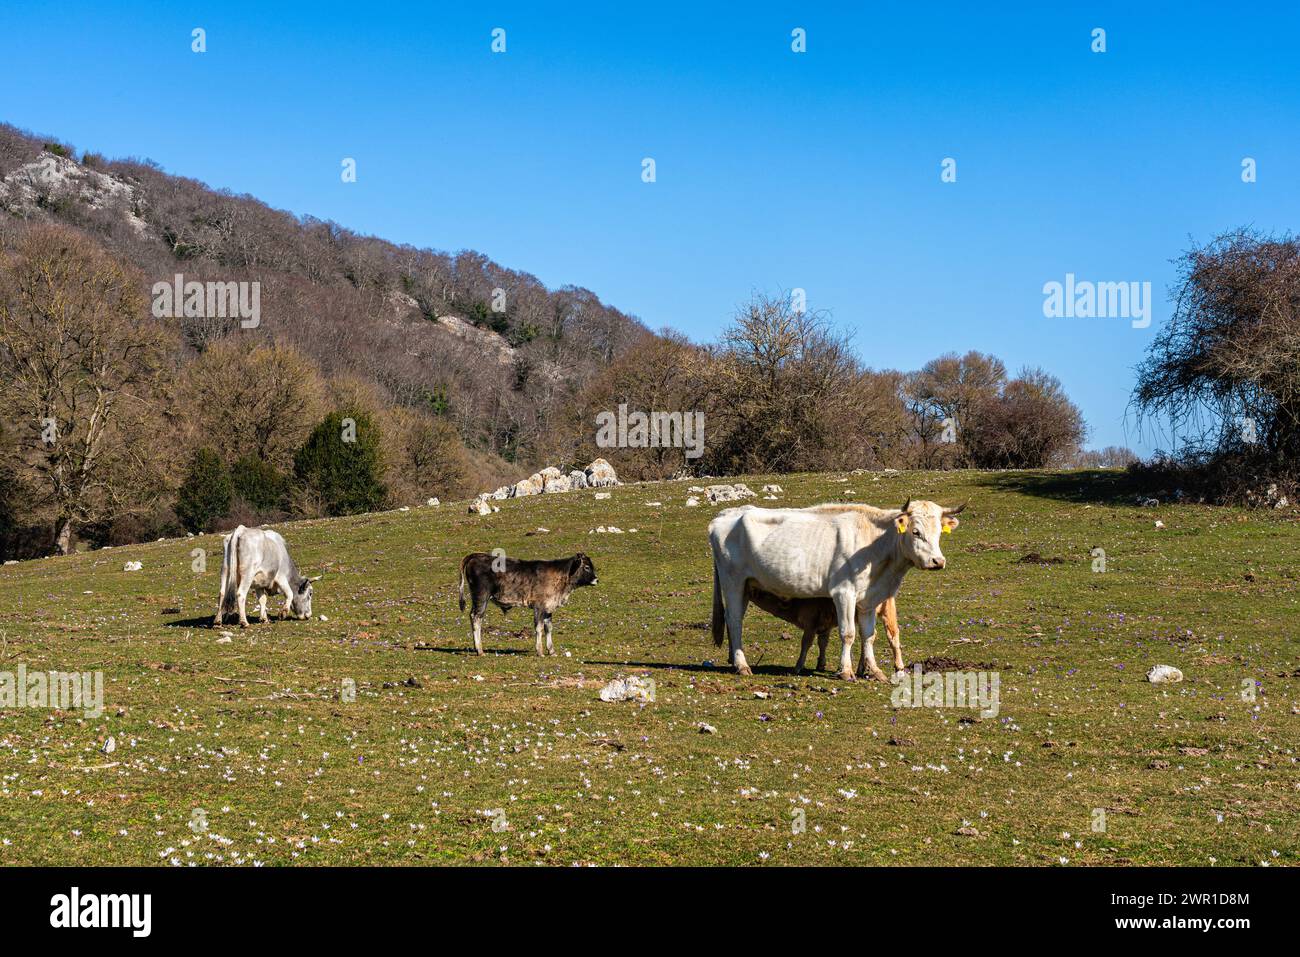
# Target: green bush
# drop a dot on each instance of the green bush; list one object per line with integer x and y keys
{"x": 436, "y": 400}
{"x": 341, "y": 466}
{"x": 204, "y": 495}
{"x": 259, "y": 483}
{"x": 526, "y": 333}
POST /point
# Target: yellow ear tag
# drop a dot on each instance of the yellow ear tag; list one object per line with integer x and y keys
{"x": 901, "y": 523}
{"x": 947, "y": 529}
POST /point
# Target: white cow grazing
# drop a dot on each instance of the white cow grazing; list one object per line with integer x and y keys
{"x": 257, "y": 560}
{"x": 856, "y": 555}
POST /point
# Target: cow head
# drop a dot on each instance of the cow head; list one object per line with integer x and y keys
{"x": 920, "y": 524}
{"x": 581, "y": 571}
{"x": 300, "y": 607}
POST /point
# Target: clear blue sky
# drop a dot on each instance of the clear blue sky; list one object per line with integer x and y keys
{"x": 775, "y": 170}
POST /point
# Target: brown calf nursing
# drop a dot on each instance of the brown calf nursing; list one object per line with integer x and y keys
{"x": 816, "y": 616}
{"x": 542, "y": 586}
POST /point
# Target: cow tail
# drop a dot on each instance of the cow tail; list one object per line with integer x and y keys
{"x": 232, "y": 593}
{"x": 462, "y": 582}
{"x": 225, "y": 572}
{"x": 229, "y": 575}
{"x": 719, "y": 613}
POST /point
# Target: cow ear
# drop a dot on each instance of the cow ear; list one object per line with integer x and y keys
{"x": 950, "y": 522}
{"x": 901, "y": 523}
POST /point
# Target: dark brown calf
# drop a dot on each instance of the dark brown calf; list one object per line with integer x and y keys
{"x": 816, "y": 616}
{"x": 542, "y": 586}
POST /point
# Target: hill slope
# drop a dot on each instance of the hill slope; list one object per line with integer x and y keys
{"x": 493, "y": 345}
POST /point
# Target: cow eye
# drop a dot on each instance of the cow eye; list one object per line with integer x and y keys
{"x": 917, "y": 533}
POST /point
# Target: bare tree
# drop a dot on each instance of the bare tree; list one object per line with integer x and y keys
{"x": 1225, "y": 371}
{"x": 244, "y": 396}
{"x": 82, "y": 367}
{"x": 942, "y": 398}
{"x": 788, "y": 387}
{"x": 662, "y": 373}
{"x": 1032, "y": 424}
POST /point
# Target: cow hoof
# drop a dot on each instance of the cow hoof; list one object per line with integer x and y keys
{"x": 744, "y": 670}
{"x": 848, "y": 676}
{"x": 879, "y": 676}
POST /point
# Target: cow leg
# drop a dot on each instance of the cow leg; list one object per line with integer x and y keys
{"x": 845, "y": 609}
{"x": 736, "y": 602}
{"x": 538, "y": 628}
{"x": 550, "y": 645}
{"x": 889, "y": 611}
{"x": 286, "y": 589}
{"x": 261, "y": 607}
{"x": 477, "y": 612}
{"x": 241, "y": 598}
{"x": 822, "y": 640}
{"x": 867, "y": 662}
{"x": 804, "y": 645}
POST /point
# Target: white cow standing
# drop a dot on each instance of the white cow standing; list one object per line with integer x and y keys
{"x": 257, "y": 560}
{"x": 856, "y": 555}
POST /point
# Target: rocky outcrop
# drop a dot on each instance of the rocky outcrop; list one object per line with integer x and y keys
{"x": 51, "y": 178}
{"x": 561, "y": 483}
{"x": 600, "y": 474}
{"x": 729, "y": 493}
{"x": 532, "y": 485}
{"x": 550, "y": 481}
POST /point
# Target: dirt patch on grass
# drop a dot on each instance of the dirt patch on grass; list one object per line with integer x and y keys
{"x": 944, "y": 663}
{"x": 1033, "y": 558}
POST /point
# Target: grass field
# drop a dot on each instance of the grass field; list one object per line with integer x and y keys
{"x": 444, "y": 757}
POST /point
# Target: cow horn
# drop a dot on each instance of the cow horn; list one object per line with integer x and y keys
{"x": 906, "y": 506}
{"x": 955, "y": 511}
{"x": 316, "y": 579}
